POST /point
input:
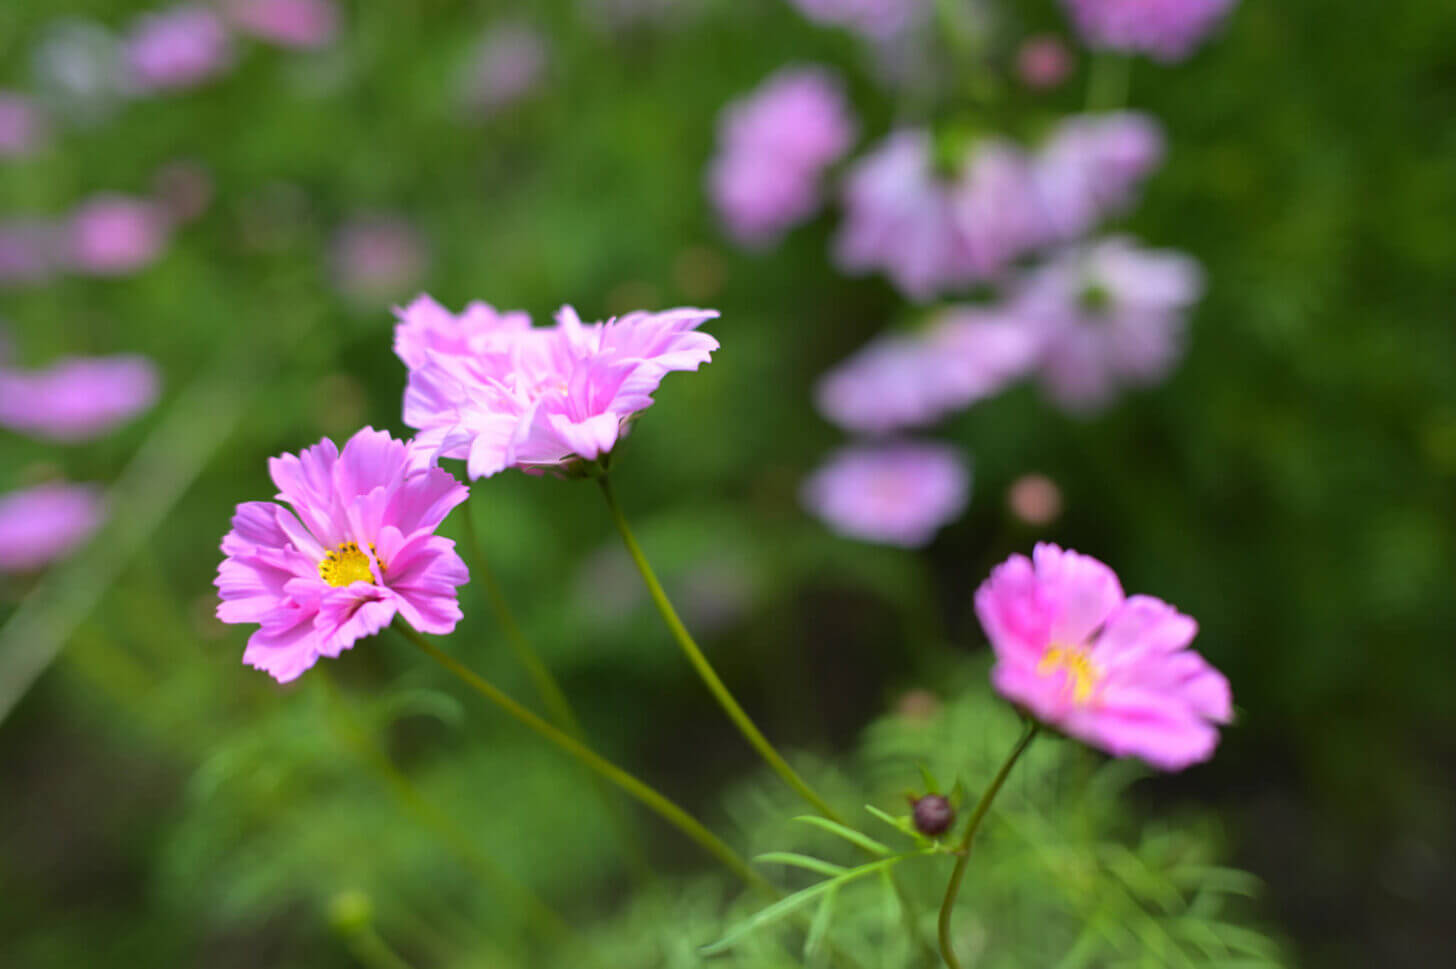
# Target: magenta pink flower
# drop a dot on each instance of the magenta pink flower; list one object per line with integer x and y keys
{"x": 1109, "y": 314}
{"x": 1112, "y": 671}
{"x": 773, "y": 146}
{"x": 1092, "y": 166}
{"x": 300, "y": 24}
{"x": 114, "y": 235}
{"x": 177, "y": 48}
{"x": 508, "y": 64}
{"x": 899, "y": 493}
{"x": 1043, "y": 62}
{"x": 77, "y": 398}
{"x": 358, "y": 548}
{"x": 41, "y": 524}
{"x": 1166, "y": 30}
{"x": 24, "y": 128}
{"x": 426, "y": 327}
{"x": 553, "y": 395}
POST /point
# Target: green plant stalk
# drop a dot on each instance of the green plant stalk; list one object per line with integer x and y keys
{"x": 947, "y": 950}
{"x": 557, "y": 705}
{"x": 705, "y": 669}
{"x": 648, "y": 796}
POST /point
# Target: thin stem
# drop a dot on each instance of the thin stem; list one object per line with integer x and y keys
{"x": 648, "y": 796}
{"x": 557, "y": 705}
{"x": 982, "y": 806}
{"x": 705, "y": 670}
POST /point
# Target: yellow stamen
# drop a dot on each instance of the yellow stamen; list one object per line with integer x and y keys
{"x": 346, "y": 564}
{"x": 1082, "y": 673}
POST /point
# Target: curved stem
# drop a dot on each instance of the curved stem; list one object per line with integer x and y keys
{"x": 547, "y": 687}
{"x": 979, "y": 814}
{"x": 705, "y": 670}
{"x": 646, "y": 795}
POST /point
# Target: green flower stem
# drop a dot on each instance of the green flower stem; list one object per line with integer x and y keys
{"x": 982, "y": 806}
{"x": 608, "y": 771}
{"x": 705, "y": 670}
{"x": 557, "y": 705}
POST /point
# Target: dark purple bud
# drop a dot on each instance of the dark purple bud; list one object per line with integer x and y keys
{"x": 933, "y": 815}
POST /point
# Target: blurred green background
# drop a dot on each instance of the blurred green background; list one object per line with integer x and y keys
{"x": 1291, "y": 486}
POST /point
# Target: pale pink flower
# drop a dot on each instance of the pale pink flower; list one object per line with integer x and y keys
{"x": 24, "y": 128}
{"x": 997, "y": 208}
{"x": 30, "y": 250}
{"x": 556, "y": 395}
{"x": 47, "y": 522}
{"x": 1166, "y": 30}
{"x": 898, "y": 493}
{"x": 773, "y": 146}
{"x": 1043, "y": 62}
{"x": 357, "y": 549}
{"x": 378, "y": 258}
{"x": 1035, "y": 499}
{"x": 1092, "y": 166}
{"x": 426, "y": 327}
{"x": 114, "y": 235}
{"x": 508, "y": 64}
{"x": 1113, "y": 671}
{"x": 299, "y": 24}
{"x": 180, "y": 47}
{"x": 1109, "y": 314}
{"x": 77, "y": 398}
{"x": 875, "y": 19}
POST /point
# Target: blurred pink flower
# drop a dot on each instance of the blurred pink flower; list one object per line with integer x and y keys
{"x": 1112, "y": 671}
{"x": 773, "y": 146}
{"x": 180, "y": 47}
{"x": 553, "y": 395}
{"x": 898, "y": 493}
{"x": 184, "y": 190}
{"x": 507, "y": 65}
{"x": 300, "y": 24}
{"x": 378, "y": 258}
{"x": 41, "y": 524}
{"x": 1043, "y": 62}
{"x": 875, "y": 19}
{"x": 1109, "y": 314}
{"x": 77, "y": 398}
{"x": 1092, "y": 166}
{"x": 24, "y": 128}
{"x": 1166, "y": 30}
{"x": 1035, "y": 499}
{"x": 997, "y": 208}
{"x": 358, "y": 548}
{"x": 30, "y": 250}
{"x": 113, "y": 235}
{"x": 426, "y": 327}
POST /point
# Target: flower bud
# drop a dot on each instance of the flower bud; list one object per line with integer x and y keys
{"x": 933, "y": 815}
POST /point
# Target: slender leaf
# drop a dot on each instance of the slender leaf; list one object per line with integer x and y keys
{"x": 848, "y": 834}
{"x": 802, "y": 861}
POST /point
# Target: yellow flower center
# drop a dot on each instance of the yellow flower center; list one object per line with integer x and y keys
{"x": 1082, "y": 674}
{"x": 346, "y": 564}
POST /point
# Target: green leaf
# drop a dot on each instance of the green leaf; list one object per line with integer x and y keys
{"x": 802, "y": 861}
{"x": 901, "y": 825}
{"x": 820, "y": 926}
{"x": 848, "y": 834}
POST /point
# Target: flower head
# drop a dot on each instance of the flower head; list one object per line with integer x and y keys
{"x": 1043, "y": 62}
{"x": 545, "y": 397}
{"x": 426, "y": 327}
{"x": 1091, "y": 167}
{"x": 41, "y": 524}
{"x": 1166, "y": 30}
{"x": 772, "y": 148}
{"x": 177, "y": 48}
{"x": 77, "y": 398}
{"x": 1113, "y": 671}
{"x": 899, "y": 493}
{"x": 874, "y": 19}
{"x": 357, "y": 548}
{"x": 24, "y": 127}
{"x": 508, "y": 64}
{"x": 300, "y": 24}
{"x": 1110, "y": 314}
{"x": 113, "y": 235}
{"x": 378, "y": 257}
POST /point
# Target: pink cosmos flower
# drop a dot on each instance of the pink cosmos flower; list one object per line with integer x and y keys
{"x": 1166, "y": 30}
{"x": 1092, "y": 166}
{"x": 899, "y": 493}
{"x": 426, "y": 327}
{"x": 1042, "y": 62}
{"x": 300, "y": 24}
{"x": 909, "y": 380}
{"x": 77, "y": 398}
{"x": 552, "y": 395}
{"x": 507, "y": 65}
{"x": 1113, "y": 671}
{"x": 23, "y": 125}
{"x": 773, "y": 146}
{"x": 1109, "y": 314}
{"x": 41, "y": 524}
{"x": 113, "y": 235}
{"x": 358, "y": 548}
{"x": 177, "y": 48}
